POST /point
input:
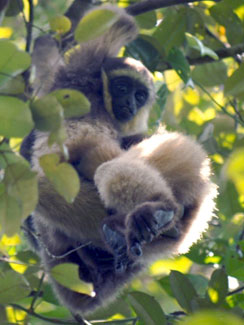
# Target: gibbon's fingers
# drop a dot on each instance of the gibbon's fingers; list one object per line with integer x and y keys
{"x": 145, "y": 223}
{"x": 117, "y": 242}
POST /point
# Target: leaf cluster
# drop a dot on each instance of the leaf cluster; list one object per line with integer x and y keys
{"x": 195, "y": 52}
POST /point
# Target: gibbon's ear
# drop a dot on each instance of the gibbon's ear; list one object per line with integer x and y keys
{"x": 46, "y": 60}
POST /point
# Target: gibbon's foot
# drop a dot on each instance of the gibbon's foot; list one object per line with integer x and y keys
{"x": 117, "y": 242}
{"x": 145, "y": 223}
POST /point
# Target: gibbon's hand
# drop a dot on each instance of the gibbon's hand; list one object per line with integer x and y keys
{"x": 145, "y": 224}
{"x": 117, "y": 243}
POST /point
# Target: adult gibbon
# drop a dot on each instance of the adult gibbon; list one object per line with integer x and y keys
{"x": 139, "y": 199}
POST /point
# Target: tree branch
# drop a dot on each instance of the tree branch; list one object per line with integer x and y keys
{"x": 149, "y": 5}
{"x": 29, "y": 25}
{"x": 77, "y": 9}
{"x": 222, "y": 54}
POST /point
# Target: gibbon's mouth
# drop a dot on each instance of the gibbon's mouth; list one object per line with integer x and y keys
{"x": 124, "y": 114}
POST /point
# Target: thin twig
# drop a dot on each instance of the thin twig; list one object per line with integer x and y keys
{"x": 234, "y": 117}
{"x": 57, "y": 257}
{"x": 231, "y": 293}
{"x": 45, "y": 319}
{"x": 37, "y": 293}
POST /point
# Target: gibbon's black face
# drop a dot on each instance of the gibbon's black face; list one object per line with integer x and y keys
{"x": 128, "y": 96}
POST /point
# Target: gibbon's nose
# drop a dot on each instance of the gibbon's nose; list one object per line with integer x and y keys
{"x": 131, "y": 104}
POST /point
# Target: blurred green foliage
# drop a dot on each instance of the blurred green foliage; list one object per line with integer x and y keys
{"x": 196, "y": 53}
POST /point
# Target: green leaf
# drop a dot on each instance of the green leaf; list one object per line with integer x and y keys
{"x": 210, "y": 74}
{"x": 12, "y": 287}
{"x": 14, "y": 86}
{"x": 67, "y": 274}
{"x": 224, "y": 15}
{"x": 60, "y": 24}
{"x": 218, "y": 286}
{"x": 196, "y": 44}
{"x": 144, "y": 48}
{"x": 47, "y": 113}
{"x": 62, "y": 175}
{"x": 10, "y": 213}
{"x": 147, "y": 20}
{"x": 14, "y": 7}
{"x": 21, "y": 183}
{"x": 235, "y": 169}
{"x": 171, "y": 31}
{"x": 7, "y": 156}
{"x": 94, "y": 25}
{"x": 147, "y": 308}
{"x": 234, "y": 264}
{"x": 218, "y": 317}
{"x": 12, "y": 61}
{"x": 234, "y": 85}
{"x": 179, "y": 63}
{"x": 183, "y": 290}
{"x": 74, "y": 103}
{"x": 15, "y": 117}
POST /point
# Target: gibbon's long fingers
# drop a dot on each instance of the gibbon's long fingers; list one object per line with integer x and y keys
{"x": 118, "y": 244}
{"x": 145, "y": 224}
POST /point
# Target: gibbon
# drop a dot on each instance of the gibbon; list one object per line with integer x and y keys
{"x": 140, "y": 198}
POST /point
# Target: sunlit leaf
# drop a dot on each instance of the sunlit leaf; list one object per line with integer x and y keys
{"x": 196, "y": 44}
{"x": 67, "y": 274}
{"x": 15, "y": 117}
{"x": 12, "y": 287}
{"x": 218, "y": 286}
{"x": 234, "y": 85}
{"x": 224, "y": 15}
{"x": 21, "y": 183}
{"x": 12, "y": 61}
{"x": 147, "y": 20}
{"x": 7, "y": 156}
{"x": 14, "y": 86}
{"x": 218, "y": 317}
{"x": 10, "y": 212}
{"x": 62, "y": 175}
{"x": 95, "y": 24}
{"x": 147, "y": 308}
{"x": 74, "y": 103}
{"x": 60, "y": 24}
{"x": 47, "y": 113}
{"x": 235, "y": 169}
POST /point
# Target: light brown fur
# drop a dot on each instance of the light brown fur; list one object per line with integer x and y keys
{"x": 167, "y": 172}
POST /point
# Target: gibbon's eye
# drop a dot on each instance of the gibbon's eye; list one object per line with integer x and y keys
{"x": 141, "y": 96}
{"x": 121, "y": 88}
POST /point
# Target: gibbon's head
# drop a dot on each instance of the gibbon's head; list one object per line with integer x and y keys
{"x": 128, "y": 94}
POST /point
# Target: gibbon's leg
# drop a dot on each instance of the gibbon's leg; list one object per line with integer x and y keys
{"x": 142, "y": 206}
{"x": 182, "y": 188}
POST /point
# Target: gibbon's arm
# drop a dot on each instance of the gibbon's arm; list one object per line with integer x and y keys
{"x": 182, "y": 200}
{"x": 90, "y": 146}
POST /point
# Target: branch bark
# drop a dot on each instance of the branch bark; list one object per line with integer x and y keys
{"x": 149, "y": 5}
{"x": 222, "y": 54}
